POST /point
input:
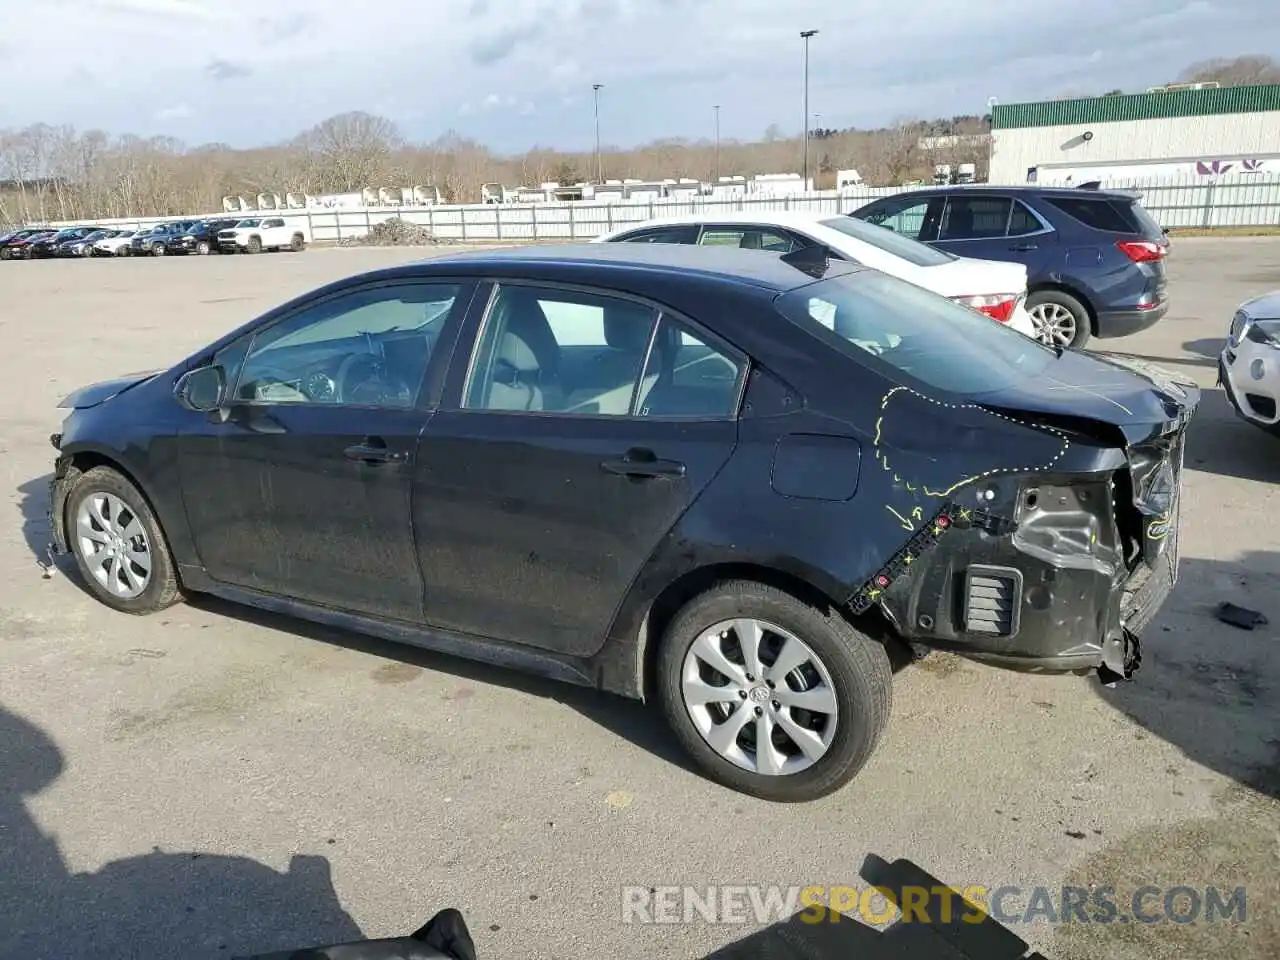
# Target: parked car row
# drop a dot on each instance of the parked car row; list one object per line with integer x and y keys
{"x": 175, "y": 238}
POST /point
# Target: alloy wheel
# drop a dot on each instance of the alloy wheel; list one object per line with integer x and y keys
{"x": 1055, "y": 324}
{"x": 113, "y": 544}
{"x": 760, "y": 697}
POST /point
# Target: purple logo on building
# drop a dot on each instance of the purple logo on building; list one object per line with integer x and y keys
{"x": 1213, "y": 168}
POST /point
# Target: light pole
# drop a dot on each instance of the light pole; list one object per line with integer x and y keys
{"x": 805, "y": 35}
{"x": 716, "y": 108}
{"x": 595, "y": 87}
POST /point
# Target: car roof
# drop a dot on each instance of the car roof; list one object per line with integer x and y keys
{"x": 755, "y": 268}
{"x": 779, "y": 218}
{"x": 1022, "y": 189}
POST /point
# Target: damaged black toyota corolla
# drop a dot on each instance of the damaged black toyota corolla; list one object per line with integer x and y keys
{"x": 723, "y": 480}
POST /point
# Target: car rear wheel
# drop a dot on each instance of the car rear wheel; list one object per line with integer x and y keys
{"x": 5, "y": 253}
{"x": 771, "y": 696}
{"x": 118, "y": 545}
{"x": 1059, "y": 318}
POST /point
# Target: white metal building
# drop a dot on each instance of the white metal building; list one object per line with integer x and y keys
{"x": 1181, "y": 133}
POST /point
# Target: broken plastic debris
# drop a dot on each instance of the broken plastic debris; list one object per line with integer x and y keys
{"x": 1241, "y": 617}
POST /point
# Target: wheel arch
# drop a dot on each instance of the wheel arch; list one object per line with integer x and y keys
{"x": 637, "y": 632}
{"x": 1067, "y": 287}
{"x": 85, "y": 458}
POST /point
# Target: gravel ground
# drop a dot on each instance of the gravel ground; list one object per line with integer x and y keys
{"x": 212, "y": 781}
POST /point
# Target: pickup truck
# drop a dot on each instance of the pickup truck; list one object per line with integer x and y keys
{"x": 257, "y": 234}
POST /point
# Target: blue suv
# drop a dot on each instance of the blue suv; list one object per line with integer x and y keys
{"x": 1094, "y": 258}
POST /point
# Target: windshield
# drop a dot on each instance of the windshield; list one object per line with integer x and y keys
{"x": 941, "y": 344}
{"x": 248, "y": 223}
{"x": 913, "y": 251}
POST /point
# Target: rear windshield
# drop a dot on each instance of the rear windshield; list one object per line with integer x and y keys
{"x": 1147, "y": 224}
{"x": 890, "y": 241}
{"x": 1110, "y": 214}
{"x": 894, "y": 324}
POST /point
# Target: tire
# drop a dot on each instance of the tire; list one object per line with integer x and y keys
{"x": 161, "y": 588}
{"x": 858, "y": 668}
{"x": 203, "y": 248}
{"x": 1059, "y": 309}
{"x": 254, "y": 245}
{"x": 297, "y": 244}
{"x": 5, "y": 253}
{"x": 158, "y": 250}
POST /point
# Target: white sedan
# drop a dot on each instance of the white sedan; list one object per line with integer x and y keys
{"x": 994, "y": 288}
{"x": 114, "y": 245}
{"x": 1249, "y": 365}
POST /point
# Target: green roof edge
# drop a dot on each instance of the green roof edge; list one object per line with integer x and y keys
{"x": 1137, "y": 106}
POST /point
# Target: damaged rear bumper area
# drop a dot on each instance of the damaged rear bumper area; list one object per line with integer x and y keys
{"x": 1041, "y": 573}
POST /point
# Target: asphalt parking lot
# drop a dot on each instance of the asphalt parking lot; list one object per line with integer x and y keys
{"x": 211, "y": 781}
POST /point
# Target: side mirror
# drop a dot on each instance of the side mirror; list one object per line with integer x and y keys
{"x": 201, "y": 390}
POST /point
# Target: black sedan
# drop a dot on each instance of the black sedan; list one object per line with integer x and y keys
{"x": 722, "y": 479}
{"x": 50, "y": 245}
{"x": 13, "y": 246}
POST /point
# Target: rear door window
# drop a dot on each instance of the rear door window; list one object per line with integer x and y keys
{"x": 975, "y": 218}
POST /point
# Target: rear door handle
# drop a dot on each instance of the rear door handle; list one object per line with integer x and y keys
{"x": 643, "y": 464}
{"x": 374, "y": 450}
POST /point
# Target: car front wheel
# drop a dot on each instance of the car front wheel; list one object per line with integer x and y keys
{"x": 118, "y": 545}
{"x": 770, "y": 695}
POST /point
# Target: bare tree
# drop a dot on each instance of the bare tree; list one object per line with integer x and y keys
{"x": 352, "y": 150}
{"x": 1234, "y": 71}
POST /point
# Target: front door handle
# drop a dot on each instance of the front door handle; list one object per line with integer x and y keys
{"x": 643, "y": 464}
{"x": 1023, "y": 247}
{"x": 374, "y": 450}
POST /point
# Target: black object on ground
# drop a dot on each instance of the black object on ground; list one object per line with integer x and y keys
{"x": 443, "y": 937}
{"x": 1241, "y": 617}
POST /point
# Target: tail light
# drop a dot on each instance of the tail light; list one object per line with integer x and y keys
{"x": 1142, "y": 251}
{"x": 997, "y": 306}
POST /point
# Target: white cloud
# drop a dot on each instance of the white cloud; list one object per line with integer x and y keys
{"x": 253, "y": 72}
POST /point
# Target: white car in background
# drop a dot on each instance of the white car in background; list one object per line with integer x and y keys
{"x": 995, "y": 288}
{"x": 112, "y": 246}
{"x": 1249, "y": 365}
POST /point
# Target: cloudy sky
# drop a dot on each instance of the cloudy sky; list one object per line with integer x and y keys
{"x": 515, "y": 73}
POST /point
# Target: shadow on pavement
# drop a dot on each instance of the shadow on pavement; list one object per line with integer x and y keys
{"x": 1212, "y": 690}
{"x": 1221, "y": 443}
{"x": 1208, "y": 347}
{"x": 633, "y": 721}
{"x": 155, "y": 905}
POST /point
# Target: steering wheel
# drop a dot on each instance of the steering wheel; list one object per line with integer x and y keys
{"x": 364, "y": 378}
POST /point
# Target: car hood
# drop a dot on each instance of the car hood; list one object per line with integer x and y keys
{"x": 1142, "y": 400}
{"x": 96, "y": 393}
{"x": 1265, "y": 307}
{"x": 968, "y": 277}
